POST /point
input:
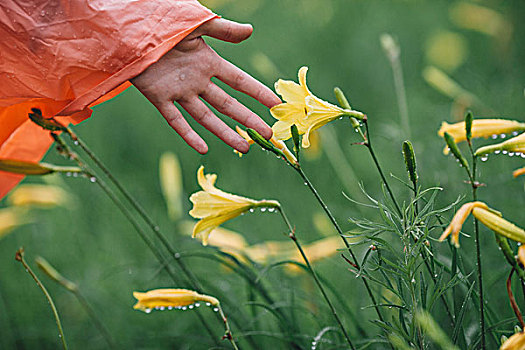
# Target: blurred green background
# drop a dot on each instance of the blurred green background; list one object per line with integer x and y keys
{"x": 478, "y": 44}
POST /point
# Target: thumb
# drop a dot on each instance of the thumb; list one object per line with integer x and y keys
{"x": 226, "y": 30}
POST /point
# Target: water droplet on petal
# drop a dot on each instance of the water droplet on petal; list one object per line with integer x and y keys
{"x": 494, "y": 136}
{"x": 263, "y": 209}
{"x": 147, "y": 311}
{"x": 502, "y": 136}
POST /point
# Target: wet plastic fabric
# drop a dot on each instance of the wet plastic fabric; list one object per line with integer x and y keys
{"x": 64, "y": 56}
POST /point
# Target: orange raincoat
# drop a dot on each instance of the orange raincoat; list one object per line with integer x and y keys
{"x": 65, "y": 56}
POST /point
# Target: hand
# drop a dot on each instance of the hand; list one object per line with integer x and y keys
{"x": 183, "y": 75}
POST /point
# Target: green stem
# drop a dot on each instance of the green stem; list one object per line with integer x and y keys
{"x": 341, "y": 234}
{"x": 474, "y": 185}
{"x": 103, "y": 330}
{"x": 20, "y": 257}
{"x": 314, "y": 276}
{"x": 368, "y": 145}
{"x": 147, "y": 219}
{"x": 228, "y": 334}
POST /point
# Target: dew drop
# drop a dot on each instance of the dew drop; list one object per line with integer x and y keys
{"x": 494, "y": 136}
{"x": 75, "y": 174}
{"x": 502, "y": 136}
{"x": 76, "y": 143}
{"x": 271, "y": 210}
{"x": 215, "y": 309}
{"x": 515, "y": 133}
{"x": 497, "y": 152}
{"x": 170, "y": 307}
{"x": 251, "y": 210}
{"x": 306, "y": 184}
{"x": 147, "y": 311}
{"x": 413, "y": 280}
{"x": 263, "y": 209}
{"x": 191, "y": 307}
{"x": 197, "y": 304}
{"x": 68, "y": 174}
{"x": 184, "y": 308}
{"x": 504, "y": 152}
{"x": 208, "y": 304}
{"x": 484, "y": 158}
{"x": 162, "y": 308}
{"x": 93, "y": 179}
{"x": 511, "y": 154}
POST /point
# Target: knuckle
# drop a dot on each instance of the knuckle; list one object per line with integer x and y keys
{"x": 240, "y": 79}
{"x": 226, "y": 103}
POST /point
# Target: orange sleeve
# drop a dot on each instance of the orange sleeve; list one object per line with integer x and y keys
{"x": 64, "y": 56}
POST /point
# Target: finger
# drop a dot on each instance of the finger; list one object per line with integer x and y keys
{"x": 202, "y": 114}
{"x": 245, "y": 83}
{"x": 226, "y": 30}
{"x": 181, "y": 126}
{"x": 229, "y": 106}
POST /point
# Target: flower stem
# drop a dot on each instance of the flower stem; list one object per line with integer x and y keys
{"x": 314, "y": 276}
{"x": 20, "y": 257}
{"x": 147, "y": 219}
{"x": 341, "y": 234}
{"x": 228, "y": 334}
{"x": 475, "y": 186}
{"x": 368, "y": 145}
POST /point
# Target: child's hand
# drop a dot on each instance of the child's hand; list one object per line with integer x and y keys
{"x": 183, "y": 75}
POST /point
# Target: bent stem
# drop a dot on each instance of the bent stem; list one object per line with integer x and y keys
{"x": 314, "y": 276}
{"x": 20, "y": 257}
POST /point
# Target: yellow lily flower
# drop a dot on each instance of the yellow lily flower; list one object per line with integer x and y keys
{"x": 515, "y": 145}
{"x": 277, "y": 143}
{"x": 521, "y": 254}
{"x": 215, "y": 207}
{"x": 303, "y": 109}
{"x": 458, "y": 220}
{"x": 39, "y": 195}
{"x": 516, "y": 342}
{"x": 518, "y": 172}
{"x": 480, "y": 128}
{"x": 488, "y": 217}
{"x": 171, "y": 298}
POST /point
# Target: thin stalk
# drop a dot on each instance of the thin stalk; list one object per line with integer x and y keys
{"x": 341, "y": 234}
{"x": 228, "y": 334}
{"x": 475, "y": 186}
{"x": 147, "y": 219}
{"x": 512, "y": 300}
{"x": 368, "y": 145}
{"x": 158, "y": 254}
{"x": 89, "y": 310}
{"x": 314, "y": 276}
{"x": 20, "y": 257}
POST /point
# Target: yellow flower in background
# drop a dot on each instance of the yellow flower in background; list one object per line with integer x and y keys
{"x": 488, "y": 217}
{"x": 215, "y": 207}
{"x": 481, "y": 19}
{"x": 271, "y": 251}
{"x": 171, "y": 184}
{"x": 39, "y": 196}
{"x": 170, "y": 298}
{"x": 446, "y": 50}
{"x": 481, "y": 128}
{"x": 9, "y": 219}
{"x": 513, "y": 145}
{"x": 303, "y": 109}
{"x": 516, "y": 342}
{"x": 277, "y": 143}
{"x": 519, "y": 172}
